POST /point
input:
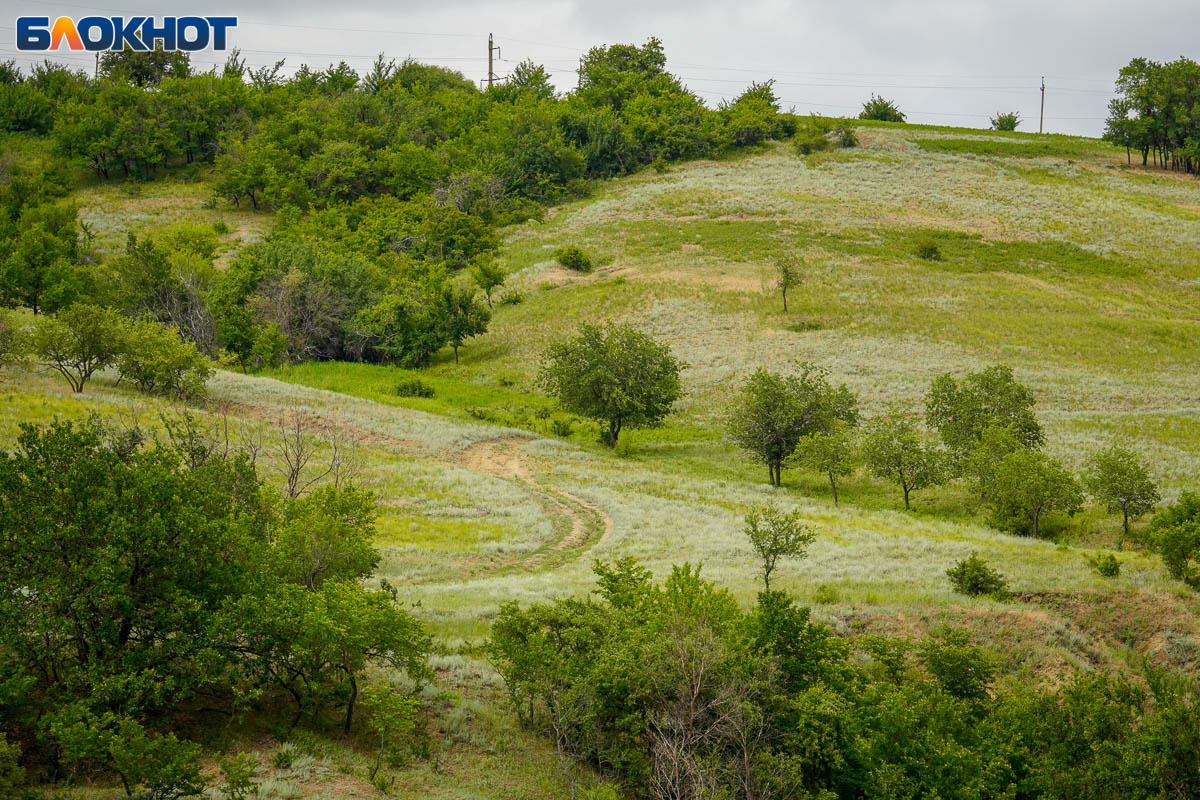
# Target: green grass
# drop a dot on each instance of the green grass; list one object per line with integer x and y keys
{"x": 1082, "y": 276}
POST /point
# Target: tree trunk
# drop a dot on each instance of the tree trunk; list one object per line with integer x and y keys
{"x": 350, "y": 702}
{"x": 456, "y": 354}
{"x": 614, "y": 431}
{"x": 1036, "y": 527}
{"x": 833, "y": 486}
{"x": 785, "y": 301}
{"x": 1125, "y": 514}
{"x": 904, "y": 486}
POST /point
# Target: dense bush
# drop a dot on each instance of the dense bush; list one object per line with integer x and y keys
{"x": 1106, "y": 565}
{"x": 573, "y": 258}
{"x": 878, "y": 108}
{"x": 928, "y": 250}
{"x": 673, "y": 691}
{"x": 413, "y": 387}
{"x": 157, "y": 360}
{"x": 173, "y": 581}
{"x": 972, "y": 576}
{"x": 1006, "y": 121}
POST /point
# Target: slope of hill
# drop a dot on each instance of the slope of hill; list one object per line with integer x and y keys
{"x": 1057, "y": 259}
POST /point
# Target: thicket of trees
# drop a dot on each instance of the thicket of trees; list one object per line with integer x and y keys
{"x": 175, "y": 585}
{"x": 388, "y": 186}
{"x": 670, "y": 690}
{"x": 1155, "y": 113}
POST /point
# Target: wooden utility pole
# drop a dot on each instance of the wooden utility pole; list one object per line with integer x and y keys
{"x": 491, "y": 48}
{"x": 1042, "y": 116}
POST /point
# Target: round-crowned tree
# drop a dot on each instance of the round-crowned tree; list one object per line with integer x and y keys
{"x": 614, "y": 374}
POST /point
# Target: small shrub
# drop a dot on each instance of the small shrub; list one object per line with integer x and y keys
{"x": 928, "y": 249}
{"x": 284, "y": 756}
{"x": 12, "y": 345}
{"x": 1180, "y": 548}
{"x": 220, "y": 227}
{"x": 413, "y": 387}
{"x": 1006, "y": 121}
{"x": 825, "y": 594}
{"x": 1106, "y": 565}
{"x": 972, "y": 576}
{"x": 156, "y": 359}
{"x": 808, "y": 141}
{"x": 238, "y": 772}
{"x": 561, "y": 427}
{"x": 513, "y": 297}
{"x": 573, "y": 258}
{"x": 660, "y": 165}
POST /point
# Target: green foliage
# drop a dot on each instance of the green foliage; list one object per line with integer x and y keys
{"x": 818, "y": 134}
{"x": 173, "y": 577}
{"x": 613, "y": 374}
{"x": 326, "y": 536}
{"x": 573, "y": 258}
{"x": 157, "y": 360}
{"x": 488, "y": 275}
{"x": 462, "y": 315}
{"x": 892, "y": 449}
{"x": 1006, "y": 121}
{"x": 1039, "y": 147}
{"x": 774, "y": 412}
{"x": 776, "y": 534}
{"x": 393, "y": 716}
{"x": 961, "y": 411}
{"x": 413, "y": 387}
{"x": 41, "y": 267}
{"x": 1026, "y": 486}
{"x": 79, "y": 341}
{"x": 1153, "y": 112}
{"x": 928, "y": 250}
{"x": 880, "y": 109}
{"x": 1118, "y": 478}
{"x": 974, "y": 577}
{"x": 1180, "y": 549}
{"x": 788, "y": 275}
{"x": 1106, "y": 565}
{"x": 24, "y": 108}
{"x": 12, "y": 776}
{"x": 238, "y": 772}
{"x": 962, "y": 670}
{"x": 832, "y": 453}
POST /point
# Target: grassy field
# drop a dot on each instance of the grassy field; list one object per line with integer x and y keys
{"x": 1058, "y": 259}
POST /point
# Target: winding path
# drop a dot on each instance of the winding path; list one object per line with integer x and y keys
{"x": 583, "y": 525}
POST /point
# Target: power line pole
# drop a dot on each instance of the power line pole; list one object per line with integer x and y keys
{"x": 1042, "y": 117}
{"x": 491, "y": 47}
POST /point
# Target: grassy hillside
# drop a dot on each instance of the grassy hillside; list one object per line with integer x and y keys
{"x": 1058, "y": 260}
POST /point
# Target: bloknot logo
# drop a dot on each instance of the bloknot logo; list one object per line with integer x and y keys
{"x": 39, "y": 34}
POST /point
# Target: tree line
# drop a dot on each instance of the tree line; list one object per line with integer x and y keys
{"x": 388, "y": 188}
{"x": 1154, "y": 113}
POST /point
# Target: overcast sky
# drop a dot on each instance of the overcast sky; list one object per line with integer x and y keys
{"x": 943, "y": 61}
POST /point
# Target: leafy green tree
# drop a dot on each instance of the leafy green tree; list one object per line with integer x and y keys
{"x": 973, "y": 576}
{"x": 488, "y": 275}
{"x": 1118, "y": 478}
{"x": 393, "y": 716}
{"x": 156, "y": 359}
{"x": 402, "y": 328}
{"x": 1179, "y": 546}
{"x": 79, "y": 341}
{"x": 776, "y": 534}
{"x": 462, "y": 315}
{"x": 961, "y": 411}
{"x": 831, "y": 453}
{"x": 316, "y": 644}
{"x": 109, "y": 599}
{"x": 24, "y": 108}
{"x": 145, "y": 68}
{"x": 996, "y": 443}
{"x": 881, "y": 109}
{"x": 963, "y": 670}
{"x": 327, "y": 535}
{"x": 892, "y": 449}
{"x": 787, "y": 277}
{"x": 40, "y": 269}
{"x": 1029, "y": 484}
{"x": 614, "y": 374}
{"x": 773, "y": 412}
